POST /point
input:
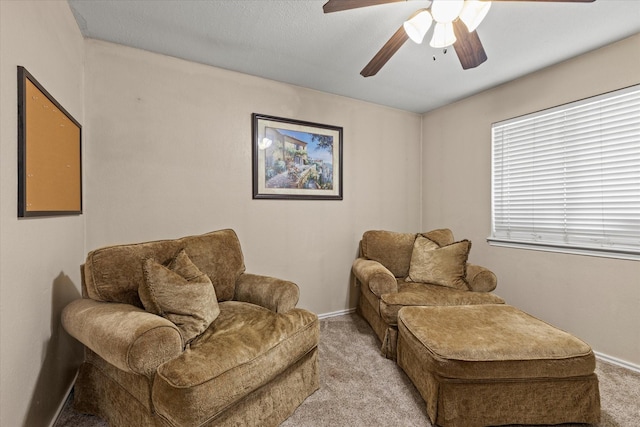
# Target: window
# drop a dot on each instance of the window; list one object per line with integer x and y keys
{"x": 567, "y": 179}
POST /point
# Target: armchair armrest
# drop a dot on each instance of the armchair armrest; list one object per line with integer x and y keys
{"x": 481, "y": 279}
{"x": 125, "y": 336}
{"x": 375, "y": 275}
{"x": 275, "y": 294}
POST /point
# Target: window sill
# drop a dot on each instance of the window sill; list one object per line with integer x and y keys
{"x": 574, "y": 250}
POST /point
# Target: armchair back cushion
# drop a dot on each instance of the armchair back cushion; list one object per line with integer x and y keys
{"x": 393, "y": 250}
{"x": 114, "y": 273}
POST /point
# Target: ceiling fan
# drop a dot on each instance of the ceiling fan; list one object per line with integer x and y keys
{"x": 455, "y": 24}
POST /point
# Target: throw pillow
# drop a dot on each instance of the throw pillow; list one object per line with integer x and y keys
{"x": 444, "y": 266}
{"x": 181, "y": 293}
{"x": 442, "y": 236}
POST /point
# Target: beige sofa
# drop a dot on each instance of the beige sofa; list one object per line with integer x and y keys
{"x": 250, "y": 359}
{"x": 385, "y": 262}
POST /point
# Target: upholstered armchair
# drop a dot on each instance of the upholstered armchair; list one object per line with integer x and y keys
{"x": 177, "y": 334}
{"x": 395, "y": 270}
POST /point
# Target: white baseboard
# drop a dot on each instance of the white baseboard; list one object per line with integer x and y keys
{"x": 616, "y": 361}
{"x": 64, "y": 401}
{"x": 336, "y": 313}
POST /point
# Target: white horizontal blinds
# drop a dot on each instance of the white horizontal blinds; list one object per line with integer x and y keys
{"x": 570, "y": 176}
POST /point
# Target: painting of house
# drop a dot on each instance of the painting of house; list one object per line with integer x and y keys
{"x": 288, "y": 163}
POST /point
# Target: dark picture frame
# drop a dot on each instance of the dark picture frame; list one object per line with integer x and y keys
{"x": 294, "y": 159}
{"x": 49, "y": 153}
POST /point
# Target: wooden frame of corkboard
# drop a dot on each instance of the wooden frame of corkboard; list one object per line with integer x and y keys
{"x": 49, "y": 153}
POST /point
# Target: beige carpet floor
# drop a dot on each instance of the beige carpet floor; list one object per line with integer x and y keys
{"x": 359, "y": 387}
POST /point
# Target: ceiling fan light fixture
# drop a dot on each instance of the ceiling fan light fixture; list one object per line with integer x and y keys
{"x": 418, "y": 25}
{"x": 474, "y": 12}
{"x": 446, "y": 10}
{"x": 443, "y": 35}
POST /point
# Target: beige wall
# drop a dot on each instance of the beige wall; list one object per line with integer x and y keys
{"x": 39, "y": 258}
{"x": 169, "y": 154}
{"x": 595, "y": 298}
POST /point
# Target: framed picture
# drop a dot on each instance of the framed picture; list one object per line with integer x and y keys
{"x": 293, "y": 159}
{"x": 49, "y": 153}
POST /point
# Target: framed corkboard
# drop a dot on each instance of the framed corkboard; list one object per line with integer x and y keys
{"x": 49, "y": 153}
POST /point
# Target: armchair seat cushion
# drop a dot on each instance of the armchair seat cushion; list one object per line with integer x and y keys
{"x": 426, "y": 294}
{"x": 246, "y": 347}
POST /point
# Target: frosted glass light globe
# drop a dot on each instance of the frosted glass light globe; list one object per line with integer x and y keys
{"x": 446, "y": 10}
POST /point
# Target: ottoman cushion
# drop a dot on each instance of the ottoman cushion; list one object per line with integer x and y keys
{"x": 495, "y": 341}
{"x": 488, "y": 365}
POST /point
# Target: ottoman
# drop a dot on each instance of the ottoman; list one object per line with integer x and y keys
{"x": 480, "y": 365}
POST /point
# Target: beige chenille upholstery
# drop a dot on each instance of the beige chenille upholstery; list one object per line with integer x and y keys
{"x": 481, "y": 365}
{"x": 396, "y": 270}
{"x": 241, "y": 354}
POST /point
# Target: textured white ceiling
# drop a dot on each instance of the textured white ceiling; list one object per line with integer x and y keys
{"x": 295, "y": 42}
